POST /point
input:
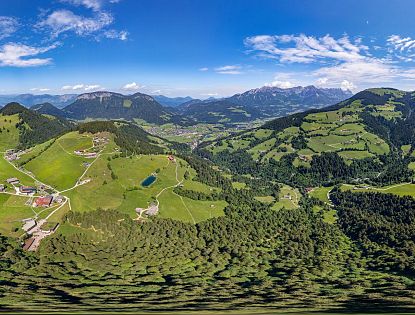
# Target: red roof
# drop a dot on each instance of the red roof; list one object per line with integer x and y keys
{"x": 44, "y": 201}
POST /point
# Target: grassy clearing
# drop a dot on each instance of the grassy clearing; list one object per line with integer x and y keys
{"x": 288, "y": 198}
{"x": 321, "y": 193}
{"x": 9, "y": 134}
{"x": 238, "y": 185}
{"x": 7, "y": 171}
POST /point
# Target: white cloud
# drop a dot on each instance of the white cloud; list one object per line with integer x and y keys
{"x": 8, "y": 25}
{"x": 113, "y": 34}
{"x": 370, "y": 71}
{"x": 39, "y": 89}
{"x": 84, "y": 87}
{"x": 61, "y": 21}
{"x": 19, "y": 55}
{"x": 133, "y": 86}
{"x": 95, "y": 5}
{"x": 90, "y": 4}
{"x": 338, "y": 62}
{"x": 306, "y": 49}
{"x": 210, "y": 94}
{"x": 280, "y": 84}
{"x": 92, "y": 87}
{"x": 396, "y": 42}
{"x": 204, "y": 69}
{"x": 321, "y": 82}
{"x": 232, "y": 69}
{"x": 347, "y": 85}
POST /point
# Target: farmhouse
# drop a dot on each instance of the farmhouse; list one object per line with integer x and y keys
{"x": 2, "y": 188}
{"x": 28, "y": 224}
{"x": 27, "y": 190}
{"x": 171, "y": 158}
{"x": 90, "y": 155}
{"x": 309, "y": 190}
{"x": 12, "y": 157}
{"x": 153, "y": 209}
{"x": 28, "y": 243}
{"x": 59, "y": 199}
{"x": 303, "y": 158}
{"x": 13, "y": 180}
{"x": 43, "y": 201}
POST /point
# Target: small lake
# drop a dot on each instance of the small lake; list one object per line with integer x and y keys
{"x": 148, "y": 181}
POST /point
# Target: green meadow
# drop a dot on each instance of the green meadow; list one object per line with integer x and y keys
{"x": 59, "y": 166}
{"x": 9, "y": 134}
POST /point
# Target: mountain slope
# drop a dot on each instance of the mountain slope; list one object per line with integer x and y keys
{"x": 33, "y": 127}
{"x": 218, "y": 111}
{"x": 108, "y": 105}
{"x": 273, "y": 96}
{"x": 48, "y": 109}
{"x": 359, "y": 138}
{"x": 29, "y": 100}
{"x": 171, "y": 101}
{"x": 265, "y": 102}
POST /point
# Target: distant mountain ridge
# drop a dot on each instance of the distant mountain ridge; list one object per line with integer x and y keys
{"x": 260, "y": 103}
{"x": 171, "y": 101}
{"x": 264, "y": 102}
{"x": 28, "y": 100}
{"x": 48, "y": 109}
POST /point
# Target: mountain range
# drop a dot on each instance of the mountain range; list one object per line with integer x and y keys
{"x": 29, "y": 100}
{"x": 265, "y": 102}
{"x": 172, "y": 101}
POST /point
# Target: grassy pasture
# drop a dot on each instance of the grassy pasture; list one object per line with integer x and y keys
{"x": 9, "y": 135}
{"x": 285, "y": 202}
{"x": 57, "y": 166}
{"x": 321, "y": 193}
{"x": 238, "y": 185}
{"x": 355, "y": 155}
{"x": 125, "y": 192}
{"x": 12, "y": 211}
{"x": 262, "y": 133}
{"x": 404, "y": 189}
{"x": 7, "y": 171}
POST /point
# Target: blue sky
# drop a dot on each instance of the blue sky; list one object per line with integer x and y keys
{"x": 203, "y": 48}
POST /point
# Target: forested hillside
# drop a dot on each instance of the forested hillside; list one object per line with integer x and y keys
{"x": 33, "y": 127}
{"x": 359, "y": 139}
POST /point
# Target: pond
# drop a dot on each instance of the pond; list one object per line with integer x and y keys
{"x": 148, "y": 181}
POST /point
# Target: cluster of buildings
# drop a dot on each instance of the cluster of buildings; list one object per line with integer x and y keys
{"x": 91, "y": 153}
{"x": 152, "y": 210}
{"x": 98, "y": 141}
{"x": 13, "y": 155}
{"x": 86, "y": 154}
{"x": 33, "y": 228}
